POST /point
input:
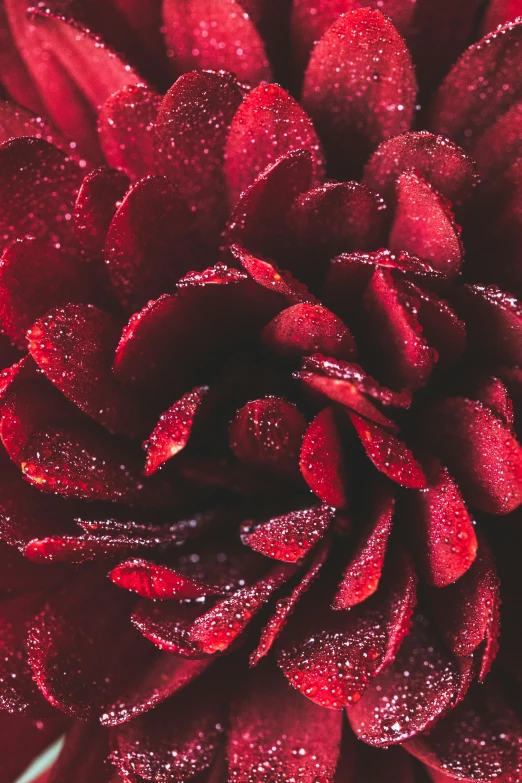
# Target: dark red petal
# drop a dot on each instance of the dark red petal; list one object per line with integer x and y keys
{"x": 459, "y": 109}
{"x": 467, "y": 611}
{"x": 22, "y": 740}
{"x": 79, "y": 656}
{"x": 440, "y": 162}
{"x": 176, "y": 740}
{"x": 396, "y": 333}
{"x": 15, "y": 75}
{"x": 38, "y": 187}
{"x": 35, "y": 277}
{"x": 148, "y": 246}
{"x": 478, "y": 741}
{"x": 190, "y": 136}
{"x": 268, "y": 124}
{"x": 15, "y": 121}
{"x": 259, "y": 220}
{"x": 424, "y": 225}
{"x": 267, "y": 274}
{"x": 480, "y": 452}
{"x": 285, "y": 606}
{"x": 494, "y": 322}
{"x": 441, "y": 326}
{"x": 158, "y": 582}
{"x": 423, "y": 683}
{"x": 322, "y": 462}
{"x": 499, "y": 146}
{"x": 126, "y": 127}
{"x": 493, "y": 393}
{"x": 73, "y": 346}
{"x": 83, "y": 757}
{"x": 331, "y": 656}
{"x": 362, "y": 575}
{"x": 172, "y": 432}
{"x": 389, "y": 454}
{"x": 79, "y": 549}
{"x": 19, "y": 575}
{"x": 359, "y": 87}
{"x": 268, "y": 434}
{"x": 100, "y": 194}
{"x": 441, "y": 527}
{"x": 289, "y": 537}
{"x": 306, "y": 328}
{"x": 233, "y": 45}
{"x": 499, "y": 12}
{"x": 277, "y": 735}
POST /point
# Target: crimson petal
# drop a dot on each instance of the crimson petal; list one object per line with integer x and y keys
{"x": 306, "y": 328}
{"x": 276, "y": 735}
{"x": 359, "y": 87}
{"x": 322, "y": 462}
{"x": 79, "y": 549}
{"x": 494, "y": 321}
{"x": 100, "y": 194}
{"x": 267, "y": 274}
{"x": 290, "y": 537}
{"x": 493, "y": 393}
{"x": 158, "y": 582}
{"x": 235, "y": 45}
{"x": 15, "y": 121}
{"x": 499, "y": 12}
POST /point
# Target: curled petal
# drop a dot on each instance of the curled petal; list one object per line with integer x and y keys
{"x": 322, "y": 461}
{"x": 276, "y": 735}
{"x": 306, "y": 328}
{"x": 359, "y": 87}
{"x": 289, "y": 537}
{"x": 235, "y": 45}
{"x": 267, "y": 274}
{"x": 494, "y": 322}
{"x": 100, "y": 194}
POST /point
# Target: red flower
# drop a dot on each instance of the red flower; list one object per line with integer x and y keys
{"x": 261, "y": 483}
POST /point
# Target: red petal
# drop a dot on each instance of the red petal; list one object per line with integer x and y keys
{"x": 267, "y": 434}
{"x": 441, "y": 527}
{"x": 494, "y": 322}
{"x": 267, "y": 274}
{"x": 499, "y": 147}
{"x": 73, "y": 346}
{"x": 322, "y": 462}
{"x": 79, "y": 549}
{"x": 126, "y": 126}
{"x": 440, "y": 162}
{"x": 15, "y": 75}
{"x": 289, "y": 537}
{"x": 441, "y": 327}
{"x": 423, "y": 682}
{"x": 100, "y": 194}
{"x": 359, "y": 87}
{"x": 459, "y": 110}
{"x": 480, "y": 452}
{"x": 285, "y": 606}
{"x": 148, "y": 245}
{"x": 15, "y": 121}
{"x": 331, "y": 656}
{"x": 424, "y": 226}
{"x": 492, "y": 393}
{"x": 306, "y": 328}
{"x": 35, "y": 277}
{"x": 19, "y": 575}
{"x": 159, "y": 582}
{"x": 499, "y": 12}
{"x": 478, "y": 741}
{"x": 277, "y": 735}
{"x": 268, "y": 124}
{"x": 467, "y": 611}
{"x": 38, "y": 186}
{"x": 22, "y": 740}
{"x": 362, "y": 575}
{"x": 190, "y": 135}
{"x": 172, "y": 432}
{"x": 234, "y": 44}
{"x": 389, "y": 454}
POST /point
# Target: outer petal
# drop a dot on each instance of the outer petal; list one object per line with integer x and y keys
{"x": 289, "y": 537}
{"x": 322, "y": 461}
{"x": 359, "y": 87}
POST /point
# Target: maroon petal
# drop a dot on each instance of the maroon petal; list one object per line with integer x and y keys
{"x": 16, "y": 77}
{"x": 158, "y": 582}
{"x": 19, "y": 575}
{"x": 306, "y": 328}
{"x": 268, "y": 434}
{"x": 234, "y": 44}
{"x": 359, "y": 87}
{"x": 441, "y": 527}
{"x": 499, "y": 12}
{"x": 478, "y": 741}
{"x": 172, "y": 432}
{"x": 190, "y": 135}
{"x": 176, "y": 740}
{"x": 38, "y": 187}
{"x": 79, "y": 657}
{"x": 494, "y": 321}
{"x": 148, "y": 246}
{"x": 16, "y": 121}
{"x": 277, "y": 735}
{"x": 100, "y": 194}
{"x": 83, "y": 756}
{"x": 423, "y": 683}
{"x": 267, "y": 274}
{"x": 467, "y": 612}
{"x": 424, "y": 226}
{"x": 73, "y": 346}
{"x": 331, "y": 656}
{"x": 389, "y": 454}
{"x": 322, "y": 462}
{"x": 79, "y": 549}
{"x": 285, "y": 606}
{"x": 23, "y": 740}
{"x": 493, "y": 393}
{"x": 499, "y": 146}
{"x": 126, "y": 127}
{"x": 35, "y": 277}
{"x": 268, "y": 124}
{"x": 459, "y": 110}
{"x": 290, "y": 537}
{"x": 436, "y": 159}
{"x": 480, "y": 452}
{"x": 362, "y": 575}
